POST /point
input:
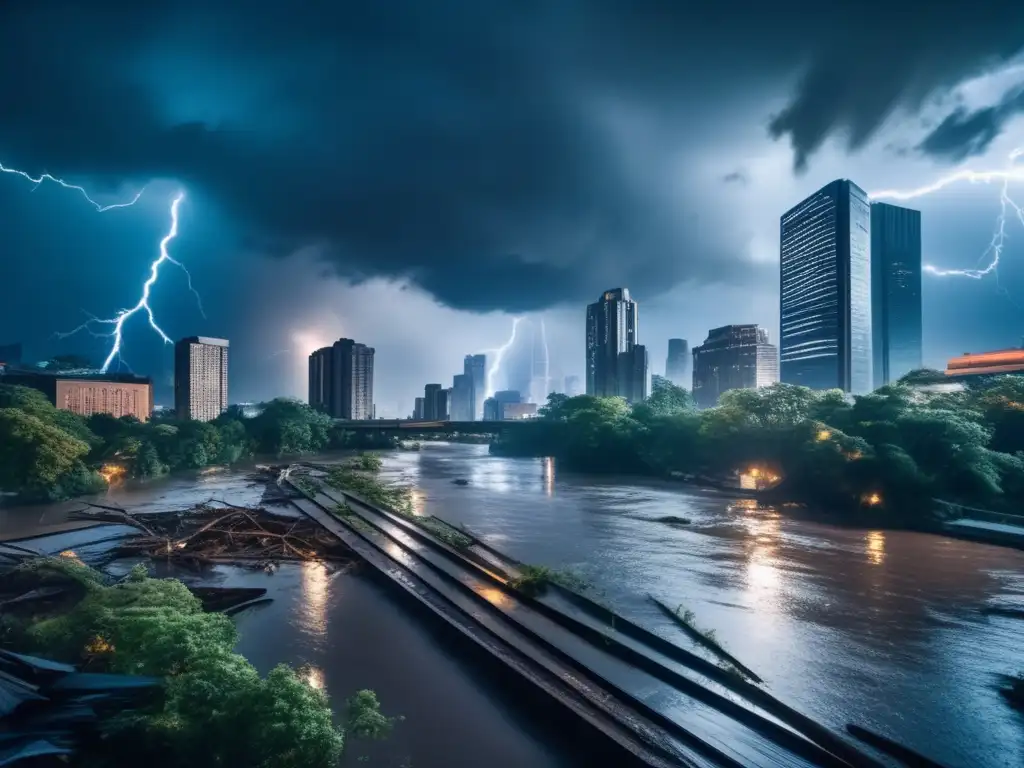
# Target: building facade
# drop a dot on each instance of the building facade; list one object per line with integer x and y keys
{"x": 612, "y": 326}
{"x": 118, "y": 394}
{"x": 341, "y": 380}
{"x": 435, "y": 403}
{"x": 200, "y": 378}
{"x": 677, "y": 364}
{"x": 494, "y": 407}
{"x": 825, "y": 334}
{"x": 632, "y": 374}
{"x": 733, "y": 357}
{"x": 460, "y": 406}
{"x": 475, "y": 366}
{"x": 895, "y": 292}
{"x": 418, "y": 408}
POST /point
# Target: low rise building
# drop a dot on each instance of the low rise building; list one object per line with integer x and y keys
{"x": 117, "y": 394}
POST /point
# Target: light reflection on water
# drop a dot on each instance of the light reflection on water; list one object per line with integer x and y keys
{"x": 875, "y": 546}
{"x": 312, "y": 607}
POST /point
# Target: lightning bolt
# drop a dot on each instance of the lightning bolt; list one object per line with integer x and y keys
{"x": 122, "y": 316}
{"x": 499, "y": 355}
{"x": 47, "y": 177}
{"x": 1007, "y": 205}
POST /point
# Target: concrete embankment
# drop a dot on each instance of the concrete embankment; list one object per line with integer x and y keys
{"x": 698, "y": 722}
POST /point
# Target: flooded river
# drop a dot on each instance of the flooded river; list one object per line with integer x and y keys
{"x": 878, "y": 628}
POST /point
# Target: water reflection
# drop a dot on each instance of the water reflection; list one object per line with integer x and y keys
{"x": 313, "y": 606}
{"x": 764, "y": 575}
{"x": 314, "y": 677}
{"x": 549, "y": 476}
{"x": 417, "y": 500}
{"x": 875, "y": 547}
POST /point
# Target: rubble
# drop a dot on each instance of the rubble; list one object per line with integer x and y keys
{"x": 218, "y": 532}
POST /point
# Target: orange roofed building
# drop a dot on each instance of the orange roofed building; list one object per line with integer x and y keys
{"x": 1001, "y": 362}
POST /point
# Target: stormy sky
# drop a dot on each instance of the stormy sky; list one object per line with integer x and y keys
{"x": 413, "y": 174}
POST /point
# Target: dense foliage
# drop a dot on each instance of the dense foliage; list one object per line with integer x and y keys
{"x": 215, "y": 708}
{"x": 48, "y": 454}
{"x": 894, "y": 449}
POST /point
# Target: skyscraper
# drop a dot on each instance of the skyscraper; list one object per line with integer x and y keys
{"x": 475, "y": 366}
{"x": 825, "y": 338}
{"x": 341, "y": 380}
{"x": 895, "y": 291}
{"x": 733, "y": 357}
{"x": 200, "y": 378}
{"x": 611, "y": 330}
{"x": 435, "y": 403}
{"x": 677, "y": 364}
{"x": 461, "y": 405}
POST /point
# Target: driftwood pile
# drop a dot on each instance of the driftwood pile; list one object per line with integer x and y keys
{"x": 218, "y": 532}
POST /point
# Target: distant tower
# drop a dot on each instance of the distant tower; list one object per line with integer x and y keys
{"x": 825, "y": 304}
{"x": 200, "y": 378}
{"x": 895, "y": 291}
{"x": 677, "y": 365}
{"x": 611, "y": 331}
{"x": 341, "y": 380}
{"x": 475, "y": 367}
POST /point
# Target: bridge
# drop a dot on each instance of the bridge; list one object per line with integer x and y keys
{"x": 416, "y": 426}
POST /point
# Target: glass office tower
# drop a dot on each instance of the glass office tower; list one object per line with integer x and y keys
{"x": 825, "y": 313}
{"x": 895, "y": 291}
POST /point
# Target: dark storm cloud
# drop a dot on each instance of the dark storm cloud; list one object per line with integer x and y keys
{"x": 886, "y": 55}
{"x": 964, "y": 133}
{"x": 465, "y": 145}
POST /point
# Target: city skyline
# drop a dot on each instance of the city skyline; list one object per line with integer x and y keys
{"x": 609, "y": 183}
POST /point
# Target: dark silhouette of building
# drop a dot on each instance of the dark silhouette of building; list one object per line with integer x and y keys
{"x": 611, "y": 331}
{"x": 418, "y": 408}
{"x": 475, "y": 366}
{"x": 677, "y": 364}
{"x": 341, "y": 380}
{"x": 895, "y": 291}
{"x": 200, "y": 378}
{"x": 632, "y": 374}
{"x": 825, "y": 313}
{"x": 435, "y": 403}
{"x": 733, "y": 357}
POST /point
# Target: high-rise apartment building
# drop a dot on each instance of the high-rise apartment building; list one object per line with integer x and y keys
{"x": 611, "y": 331}
{"x": 733, "y": 357}
{"x": 341, "y": 380}
{"x": 677, "y": 364}
{"x": 475, "y": 366}
{"x": 895, "y": 291}
{"x": 200, "y": 378}
{"x": 825, "y": 337}
{"x": 460, "y": 406}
